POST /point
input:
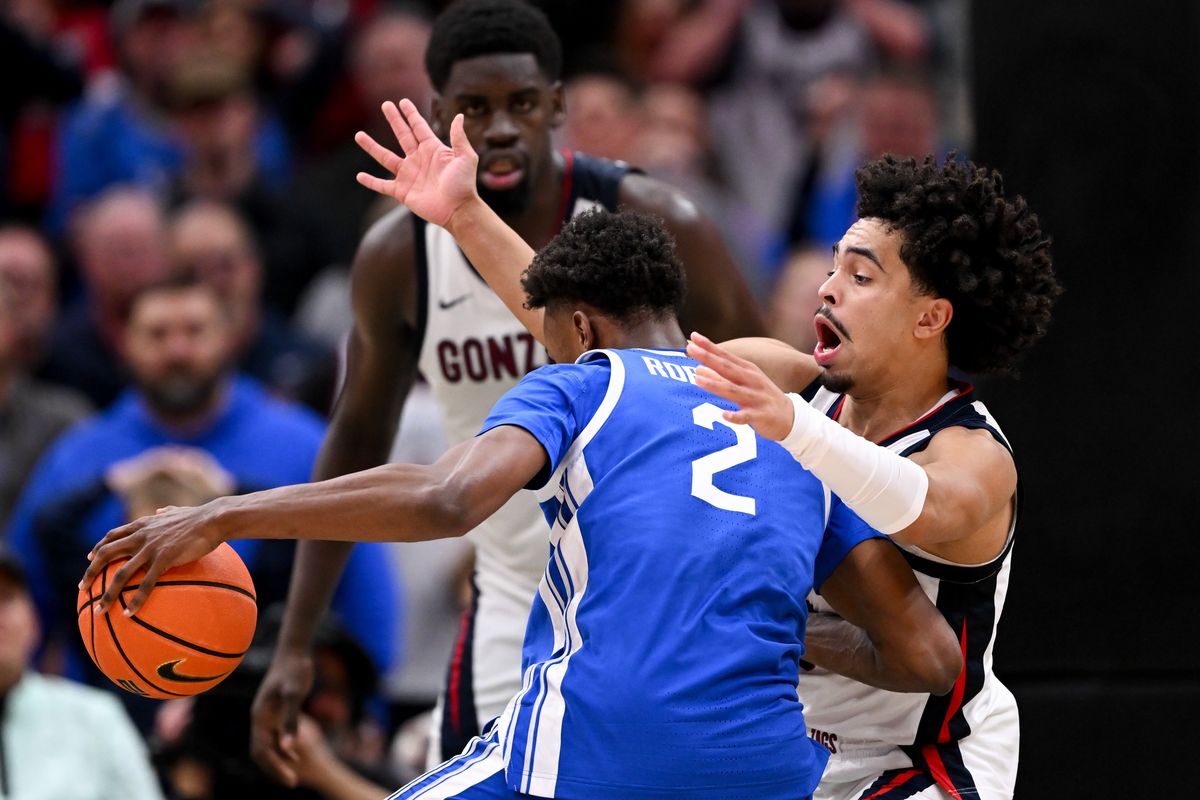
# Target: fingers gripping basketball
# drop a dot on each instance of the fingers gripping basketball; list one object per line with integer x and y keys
{"x": 192, "y": 632}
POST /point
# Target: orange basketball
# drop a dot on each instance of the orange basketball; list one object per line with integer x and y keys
{"x": 189, "y": 635}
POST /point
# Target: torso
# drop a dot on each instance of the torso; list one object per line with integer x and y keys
{"x": 473, "y": 350}
{"x": 970, "y": 597}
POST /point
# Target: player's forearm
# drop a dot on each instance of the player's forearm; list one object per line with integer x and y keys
{"x": 500, "y": 256}
{"x": 393, "y": 502}
{"x": 838, "y": 646}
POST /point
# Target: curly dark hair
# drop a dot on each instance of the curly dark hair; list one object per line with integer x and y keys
{"x": 963, "y": 240}
{"x": 471, "y": 28}
{"x": 623, "y": 264}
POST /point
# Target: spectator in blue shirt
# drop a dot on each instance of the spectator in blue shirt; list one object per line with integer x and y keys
{"x": 188, "y": 430}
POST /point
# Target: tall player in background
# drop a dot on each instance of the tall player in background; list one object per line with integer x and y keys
{"x": 662, "y": 650}
{"x": 942, "y": 269}
{"x": 419, "y": 304}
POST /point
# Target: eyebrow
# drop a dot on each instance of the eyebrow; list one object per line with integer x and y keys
{"x": 865, "y": 252}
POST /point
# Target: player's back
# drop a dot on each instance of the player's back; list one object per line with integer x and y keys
{"x": 662, "y": 658}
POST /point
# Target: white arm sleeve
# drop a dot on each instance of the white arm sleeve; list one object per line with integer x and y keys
{"x": 885, "y": 489}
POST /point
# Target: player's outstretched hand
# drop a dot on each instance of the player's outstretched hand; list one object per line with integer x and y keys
{"x": 433, "y": 180}
{"x": 761, "y": 404}
{"x": 275, "y": 714}
{"x": 159, "y": 542}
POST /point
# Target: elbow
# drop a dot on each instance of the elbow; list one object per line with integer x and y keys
{"x": 942, "y": 663}
{"x": 446, "y": 512}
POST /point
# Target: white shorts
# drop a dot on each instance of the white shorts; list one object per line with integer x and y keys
{"x": 983, "y": 766}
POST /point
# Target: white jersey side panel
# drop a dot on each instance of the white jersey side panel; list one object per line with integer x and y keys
{"x": 845, "y": 713}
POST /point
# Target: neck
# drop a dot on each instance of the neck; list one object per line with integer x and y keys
{"x": 192, "y": 423}
{"x": 878, "y": 410}
{"x": 660, "y": 334}
{"x": 539, "y": 223}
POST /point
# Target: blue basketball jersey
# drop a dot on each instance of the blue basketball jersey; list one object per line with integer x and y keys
{"x": 661, "y": 655}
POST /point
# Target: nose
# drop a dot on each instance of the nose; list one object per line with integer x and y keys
{"x": 501, "y": 129}
{"x": 829, "y": 290}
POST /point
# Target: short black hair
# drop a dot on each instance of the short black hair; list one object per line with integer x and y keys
{"x": 963, "y": 240}
{"x": 471, "y": 28}
{"x": 622, "y": 264}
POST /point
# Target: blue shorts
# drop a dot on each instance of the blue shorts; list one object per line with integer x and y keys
{"x": 476, "y": 774}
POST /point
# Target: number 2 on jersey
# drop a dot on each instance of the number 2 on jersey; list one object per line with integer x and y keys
{"x": 704, "y": 468}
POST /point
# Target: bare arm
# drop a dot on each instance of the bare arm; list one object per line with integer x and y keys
{"x": 718, "y": 300}
{"x": 970, "y": 478}
{"x": 438, "y": 184}
{"x": 393, "y": 502}
{"x": 888, "y": 635}
{"x": 972, "y": 482}
{"x": 380, "y": 369}
{"x": 787, "y": 367}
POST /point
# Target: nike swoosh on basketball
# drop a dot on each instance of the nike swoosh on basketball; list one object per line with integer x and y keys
{"x": 167, "y": 672}
{"x": 444, "y": 304}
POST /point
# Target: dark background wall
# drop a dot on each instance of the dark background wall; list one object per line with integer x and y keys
{"x": 1092, "y": 112}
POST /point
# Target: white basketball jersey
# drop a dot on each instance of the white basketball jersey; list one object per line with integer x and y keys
{"x": 842, "y": 712}
{"x": 473, "y": 351}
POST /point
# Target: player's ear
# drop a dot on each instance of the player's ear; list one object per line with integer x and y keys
{"x": 585, "y": 334}
{"x": 934, "y": 318}
{"x": 558, "y": 105}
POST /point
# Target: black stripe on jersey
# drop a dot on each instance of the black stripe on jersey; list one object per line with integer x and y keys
{"x": 897, "y": 784}
{"x": 944, "y": 764}
{"x": 422, "y": 259}
{"x": 459, "y": 693}
{"x": 596, "y": 179}
{"x": 810, "y": 391}
{"x": 958, "y": 573}
{"x": 970, "y": 610}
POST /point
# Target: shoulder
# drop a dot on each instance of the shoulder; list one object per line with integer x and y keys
{"x": 652, "y": 196}
{"x": 387, "y": 246}
{"x": 383, "y": 276}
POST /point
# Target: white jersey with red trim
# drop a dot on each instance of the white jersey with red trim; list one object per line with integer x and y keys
{"x": 473, "y": 351}
{"x": 845, "y": 714}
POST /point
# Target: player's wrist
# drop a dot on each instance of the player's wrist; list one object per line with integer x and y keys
{"x": 884, "y": 488}
{"x": 467, "y": 215}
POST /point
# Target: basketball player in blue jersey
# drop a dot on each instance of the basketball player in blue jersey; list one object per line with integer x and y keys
{"x": 941, "y": 270}
{"x": 419, "y": 306}
{"x": 661, "y": 653}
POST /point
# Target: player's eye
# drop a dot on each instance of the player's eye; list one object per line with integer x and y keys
{"x": 523, "y": 105}
{"x": 861, "y": 280}
{"x": 473, "y": 108}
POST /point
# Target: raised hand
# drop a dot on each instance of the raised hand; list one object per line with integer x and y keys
{"x": 761, "y": 404}
{"x": 170, "y": 537}
{"x": 433, "y": 180}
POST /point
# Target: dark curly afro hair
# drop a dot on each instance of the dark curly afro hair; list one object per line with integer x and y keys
{"x": 963, "y": 240}
{"x": 471, "y": 28}
{"x": 622, "y": 264}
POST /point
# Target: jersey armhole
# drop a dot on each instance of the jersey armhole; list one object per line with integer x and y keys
{"x": 421, "y": 257}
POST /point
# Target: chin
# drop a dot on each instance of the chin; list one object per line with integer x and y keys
{"x": 509, "y": 202}
{"x": 837, "y": 382}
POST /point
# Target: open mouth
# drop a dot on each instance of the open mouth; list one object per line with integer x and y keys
{"x": 502, "y": 172}
{"x": 829, "y": 341}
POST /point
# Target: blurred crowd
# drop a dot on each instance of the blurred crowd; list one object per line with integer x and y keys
{"x": 178, "y": 211}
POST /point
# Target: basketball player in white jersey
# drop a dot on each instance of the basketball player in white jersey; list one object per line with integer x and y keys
{"x": 418, "y": 304}
{"x": 942, "y": 270}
